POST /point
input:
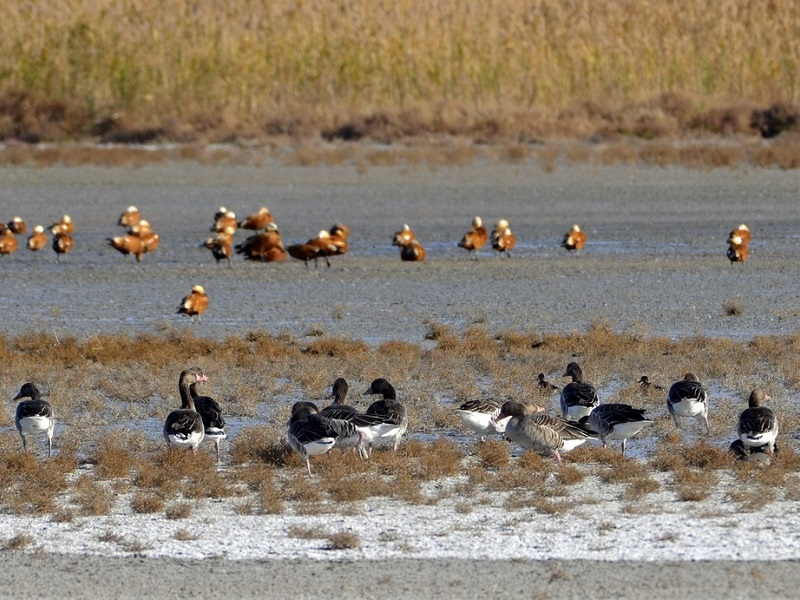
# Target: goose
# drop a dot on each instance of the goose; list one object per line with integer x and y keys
{"x": 503, "y": 241}
{"x": 757, "y": 454}
{"x": 688, "y": 398}
{"x": 184, "y": 426}
{"x": 257, "y": 221}
{"x": 737, "y": 250}
{"x": 578, "y": 398}
{"x": 541, "y": 432}
{"x": 389, "y": 408}
{"x": 17, "y": 226}
{"x": 615, "y": 422}
{"x": 475, "y": 238}
{"x": 369, "y": 427}
{"x": 38, "y": 239}
{"x": 130, "y": 217}
{"x": 8, "y": 243}
{"x": 62, "y": 242}
{"x": 481, "y": 416}
{"x": 545, "y": 385}
{"x": 758, "y": 426}
{"x": 211, "y": 413}
{"x": 194, "y": 304}
{"x": 574, "y": 239}
{"x": 34, "y": 417}
{"x": 311, "y": 434}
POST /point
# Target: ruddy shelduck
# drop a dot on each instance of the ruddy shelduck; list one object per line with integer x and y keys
{"x": 17, "y": 226}
{"x": 574, "y": 239}
{"x": 195, "y": 304}
{"x": 8, "y": 243}
{"x": 258, "y": 220}
{"x": 476, "y": 238}
{"x": 130, "y": 217}
{"x": 38, "y": 239}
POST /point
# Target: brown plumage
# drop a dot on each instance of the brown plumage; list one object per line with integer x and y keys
{"x": 258, "y": 220}
{"x": 195, "y": 304}
{"x": 476, "y": 238}
{"x": 38, "y": 239}
{"x": 341, "y": 230}
{"x": 130, "y": 217}
{"x": 338, "y": 237}
{"x": 737, "y": 250}
{"x": 305, "y": 252}
{"x": 327, "y": 246}
{"x": 128, "y": 244}
{"x": 262, "y": 246}
{"x": 225, "y": 221}
{"x": 8, "y": 243}
{"x": 411, "y": 250}
{"x": 574, "y": 239}
{"x": 17, "y": 226}
{"x": 503, "y": 240}
{"x": 65, "y": 225}
{"x": 743, "y": 231}
{"x": 62, "y": 242}
{"x": 403, "y": 237}
{"x": 150, "y": 239}
{"x": 221, "y": 246}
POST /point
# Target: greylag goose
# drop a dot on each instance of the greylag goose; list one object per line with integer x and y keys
{"x": 311, "y": 434}
{"x": 184, "y": 426}
{"x": 758, "y": 426}
{"x": 541, "y": 432}
{"x": 578, "y": 398}
{"x": 481, "y": 416}
{"x": 211, "y": 413}
{"x": 616, "y": 422}
{"x": 688, "y": 398}
{"x": 34, "y": 417}
{"x": 390, "y": 409}
{"x": 369, "y": 427}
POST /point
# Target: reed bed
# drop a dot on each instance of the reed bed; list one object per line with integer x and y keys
{"x": 98, "y": 470}
{"x": 139, "y": 70}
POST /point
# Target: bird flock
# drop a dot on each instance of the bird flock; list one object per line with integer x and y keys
{"x": 313, "y": 431}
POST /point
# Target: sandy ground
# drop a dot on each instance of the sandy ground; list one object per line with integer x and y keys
{"x": 655, "y": 263}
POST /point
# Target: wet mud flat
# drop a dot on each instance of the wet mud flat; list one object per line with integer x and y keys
{"x": 655, "y": 259}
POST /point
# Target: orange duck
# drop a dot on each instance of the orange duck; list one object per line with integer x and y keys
{"x": 737, "y": 249}
{"x": 502, "y": 239}
{"x": 221, "y": 245}
{"x": 128, "y": 244}
{"x": 326, "y": 244}
{"x": 412, "y": 251}
{"x": 62, "y": 242}
{"x": 338, "y": 237}
{"x": 476, "y": 238}
{"x": 574, "y": 239}
{"x": 225, "y": 221}
{"x": 8, "y": 243}
{"x": 130, "y": 217}
{"x": 195, "y": 304}
{"x": 17, "y": 226}
{"x": 266, "y": 246}
{"x": 403, "y": 237}
{"x": 258, "y": 220}
{"x": 38, "y": 239}
{"x": 65, "y": 225}
{"x": 150, "y": 239}
{"x": 306, "y": 252}
{"x": 743, "y": 231}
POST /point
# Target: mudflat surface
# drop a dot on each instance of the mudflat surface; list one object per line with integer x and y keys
{"x": 655, "y": 260}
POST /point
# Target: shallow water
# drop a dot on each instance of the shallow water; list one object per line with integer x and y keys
{"x": 655, "y": 259}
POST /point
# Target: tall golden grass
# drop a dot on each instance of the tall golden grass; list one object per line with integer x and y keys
{"x": 274, "y": 66}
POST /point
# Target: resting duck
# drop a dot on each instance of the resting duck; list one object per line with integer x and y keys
{"x": 481, "y": 416}
{"x": 411, "y": 250}
{"x": 541, "y": 432}
{"x": 226, "y": 220}
{"x": 503, "y": 241}
{"x": 62, "y": 242}
{"x": 258, "y": 220}
{"x": 130, "y": 217}
{"x": 34, "y": 417}
{"x": 574, "y": 239}
{"x": 17, "y": 226}
{"x": 184, "y": 426}
{"x": 742, "y": 232}
{"x": 578, "y": 398}
{"x": 194, "y": 304}
{"x": 340, "y": 230}
{"x": 737, "y": 250}
{"x": 645, "y": 385}
{"x": 143, "y": 230}
{"x": 390, "y": 409}
{"x": 758, "y": 426}
{"x": 337, "y": 236}
{"x": 211, "y": 413}
{"x": 38, "y": 239}
{"x": 8, "y": 243}
{"x": 311, "y": 434}
{"x": 616, "y": 422}
{"x": 404, "y": 236}
{"x": 544, "y": 385}
{"x": 688, "y": 398}
{"x": 65, "y": 225}
{"x": 476, "y": 238}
